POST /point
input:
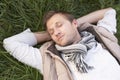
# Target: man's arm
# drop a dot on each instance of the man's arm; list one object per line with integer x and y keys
{"x": 92, "y": 17}
{"x": 42, "y": 36}
{"x": 21, "y": 47}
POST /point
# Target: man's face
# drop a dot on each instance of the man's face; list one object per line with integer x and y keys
{"x": 62, "y": 31}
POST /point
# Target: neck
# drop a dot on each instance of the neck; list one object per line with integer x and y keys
{"x": 78, "y": 38}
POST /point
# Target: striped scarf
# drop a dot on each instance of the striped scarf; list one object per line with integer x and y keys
{"x": 77, "y": 52}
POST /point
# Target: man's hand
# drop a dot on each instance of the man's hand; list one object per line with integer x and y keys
{"x": 42, "y": 36}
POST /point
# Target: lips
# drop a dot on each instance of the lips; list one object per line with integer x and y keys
{"x": 60, "y": 38}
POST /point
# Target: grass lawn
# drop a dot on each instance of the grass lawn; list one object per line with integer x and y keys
{"x": 18, "y": 15}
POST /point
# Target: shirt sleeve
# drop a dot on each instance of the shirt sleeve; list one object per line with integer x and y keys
{"x": 21, "y": 47}
{"x": 109, "y": 21}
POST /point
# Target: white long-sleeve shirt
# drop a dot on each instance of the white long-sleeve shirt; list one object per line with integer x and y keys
{"x": 105, "y": 66}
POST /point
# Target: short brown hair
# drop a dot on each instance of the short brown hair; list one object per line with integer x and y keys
{"x": 48, "y": 15}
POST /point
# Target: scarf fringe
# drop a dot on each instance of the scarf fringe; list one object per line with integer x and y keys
{"x": 77, "y": 52}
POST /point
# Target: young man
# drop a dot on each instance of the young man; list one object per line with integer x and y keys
{"x": 74, "y": 53}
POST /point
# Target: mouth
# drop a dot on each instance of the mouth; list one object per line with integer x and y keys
{"x": 60, "y": 38}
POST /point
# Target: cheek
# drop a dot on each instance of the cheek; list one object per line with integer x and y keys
{"x": 53, "y": 38}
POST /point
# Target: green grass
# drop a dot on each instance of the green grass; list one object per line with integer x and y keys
{"x": 17, "y": 15}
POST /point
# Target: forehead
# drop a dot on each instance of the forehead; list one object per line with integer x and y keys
{"x": 57, "y": 18}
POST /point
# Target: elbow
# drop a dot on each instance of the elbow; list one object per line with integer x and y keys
{"x": 114, "y": 11}
{"x": 5, "y": 43}
{"x": 109, "y": 8}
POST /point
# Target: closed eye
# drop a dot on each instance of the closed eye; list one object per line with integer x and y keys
{"x": 58, "y": 24}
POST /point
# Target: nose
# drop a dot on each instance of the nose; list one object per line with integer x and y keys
{"x": 57, "y": 32}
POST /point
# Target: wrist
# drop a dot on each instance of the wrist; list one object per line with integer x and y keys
{"x": 42, "y": 36}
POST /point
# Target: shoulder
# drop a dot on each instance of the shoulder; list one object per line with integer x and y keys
{"x": 46, "y": 45}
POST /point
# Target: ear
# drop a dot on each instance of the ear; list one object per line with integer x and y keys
{"x": 74, "y": 23}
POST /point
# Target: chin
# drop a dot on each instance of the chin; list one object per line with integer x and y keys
{"x": 61, "y": 44}
{"x": 65, "y": 44}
